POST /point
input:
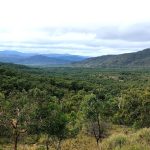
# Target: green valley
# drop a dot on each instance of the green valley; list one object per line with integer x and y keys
{"x": 74, "y": 108}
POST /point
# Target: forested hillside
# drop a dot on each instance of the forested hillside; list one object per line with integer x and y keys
{"x": 74, "y": 108}
{"x": 138, "y": 59}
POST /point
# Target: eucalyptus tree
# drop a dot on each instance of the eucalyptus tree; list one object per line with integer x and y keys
{"x": 15, "y": 114}
{"x": 92, "y": 109}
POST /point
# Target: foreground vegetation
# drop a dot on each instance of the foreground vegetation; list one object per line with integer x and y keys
{"x": 119, "y": 140}
{"x": 66, "y": 108}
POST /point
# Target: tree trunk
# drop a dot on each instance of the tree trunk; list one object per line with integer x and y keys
{"x": 97, "y": 141}
{"x": 16, "y": 141}
{"x": 47, "y": 145}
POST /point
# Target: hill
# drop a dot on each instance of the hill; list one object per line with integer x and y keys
{"x": 41, "y": 60}
{"x": 136, "y": 59}
{"x": 38, "y": 59}
{"x": 13, "y": 56}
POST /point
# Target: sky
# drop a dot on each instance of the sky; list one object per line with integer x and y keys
{"x": 80, "y": 27}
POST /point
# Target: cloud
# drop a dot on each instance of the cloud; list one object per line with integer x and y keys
{"x": 92, "y": 42}
{"x": 86, "y": 27}
{"x": 136, "y": 33}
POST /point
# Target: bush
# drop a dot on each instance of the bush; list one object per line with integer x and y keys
{"x": 115, "y": 141}
{"x": 135, "y": 141}
{"x": 143, "y": 136}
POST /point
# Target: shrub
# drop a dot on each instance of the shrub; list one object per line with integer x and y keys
{"x": 143, "y": 136}
{"x": 115, "y": 141}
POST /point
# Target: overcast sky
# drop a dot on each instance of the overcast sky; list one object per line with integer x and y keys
{"x": 82, "y": 27}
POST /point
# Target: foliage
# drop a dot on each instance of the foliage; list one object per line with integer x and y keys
{"x": 59, "y": 103}
{"x": 92, "y": 109}
{"x": 134, "y": 108}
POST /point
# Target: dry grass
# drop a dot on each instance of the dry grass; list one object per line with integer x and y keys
{"x": 120, "y": 139}
{"x": 139, "y": 140}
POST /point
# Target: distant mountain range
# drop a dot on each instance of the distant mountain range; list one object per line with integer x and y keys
{"x": 129, "y": 60}
{"x": 33, "y": 59}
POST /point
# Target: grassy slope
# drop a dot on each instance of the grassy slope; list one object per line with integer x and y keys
{"x": 120, "y": 138}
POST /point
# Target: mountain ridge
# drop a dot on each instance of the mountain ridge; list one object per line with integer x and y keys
{"x": 126, "y": 60}
{"x": 34, "y": 59}
{"x": 135, "y": 59}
